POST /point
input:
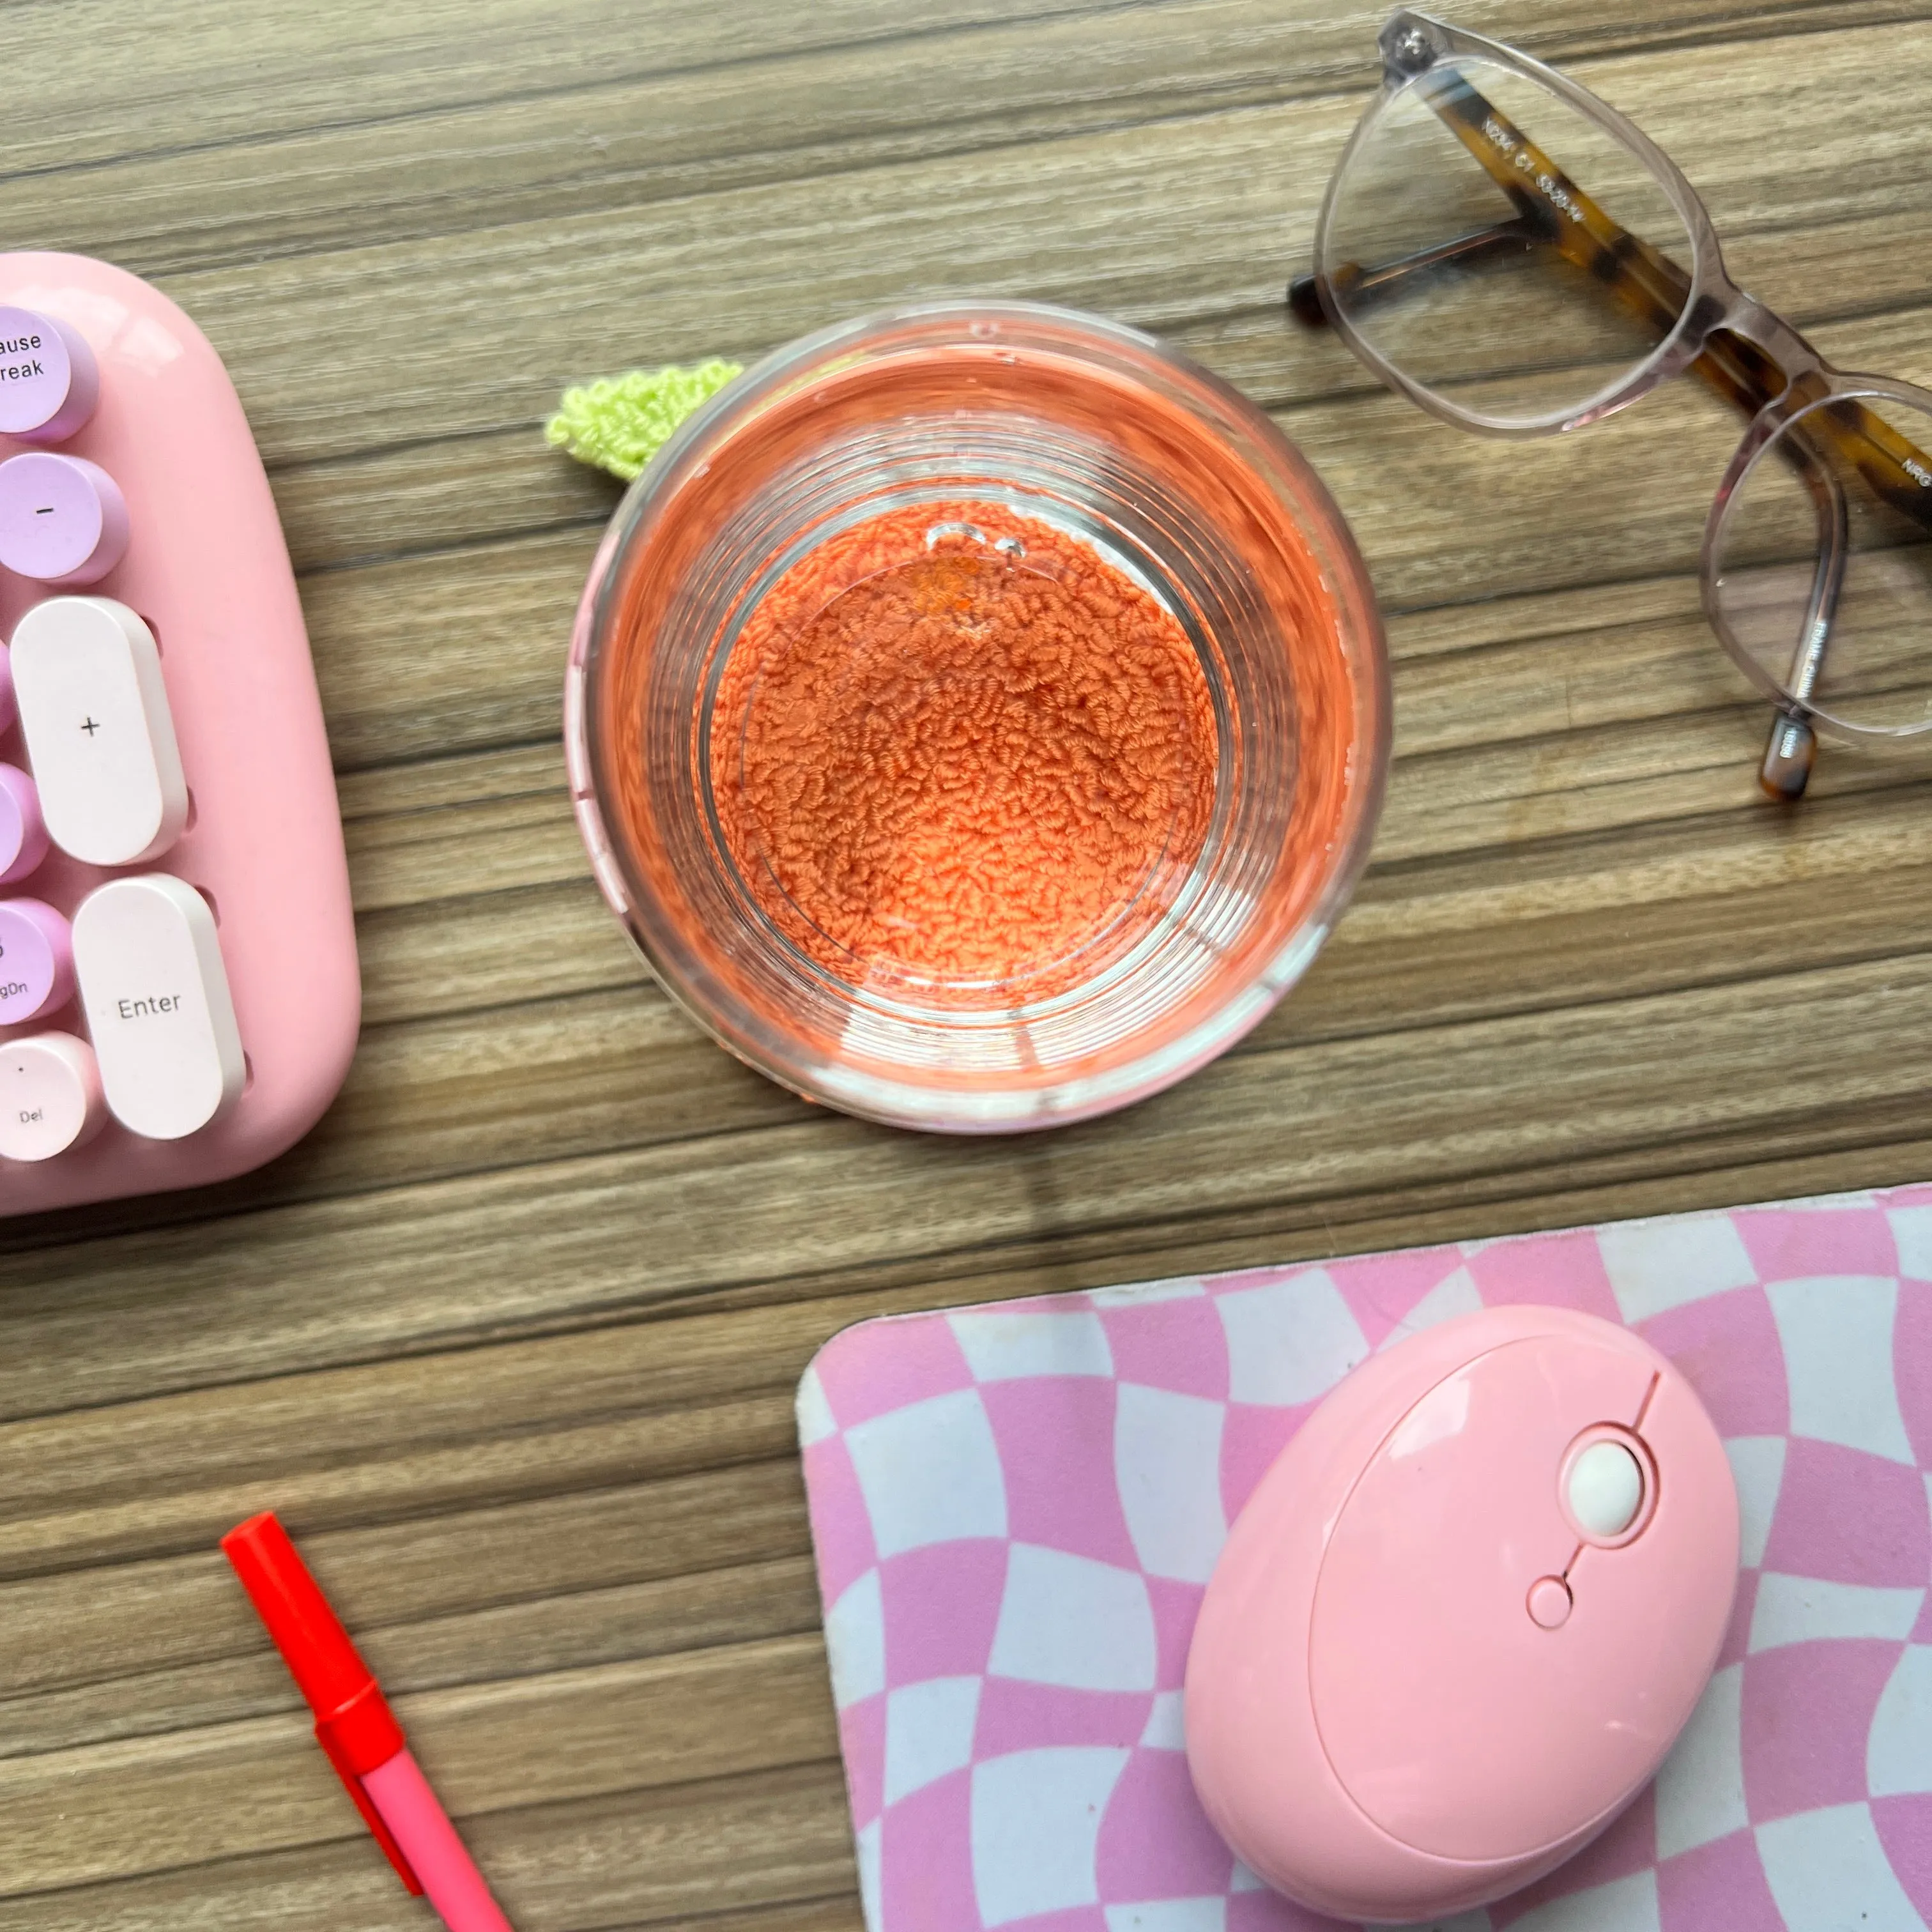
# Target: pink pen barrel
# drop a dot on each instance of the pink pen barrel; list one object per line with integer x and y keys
{"x": 401, "y": 1793}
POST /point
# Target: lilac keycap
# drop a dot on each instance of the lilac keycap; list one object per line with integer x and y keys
{"x": 49, "y": 381}
{"x": 63, "y": 520}
{"x": 36, "y": 960}
{"x": 23, "y": 832}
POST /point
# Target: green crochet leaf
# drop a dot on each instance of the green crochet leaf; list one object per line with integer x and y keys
{"x": 619, "y": 425}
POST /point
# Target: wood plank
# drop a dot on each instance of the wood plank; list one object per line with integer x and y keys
{"x": 460, "y": 955}
{"x": 679, "y": 1856}
{"x": 569, "y": 1522}
{"x": 100, "y": 1811}
{"x": 227, "y": 73}
{"x": 455, "y": 652}
{"x": 1598, "y": 684}
{"x": 560, "y": 1631}
{"x": 426, "y": 1465}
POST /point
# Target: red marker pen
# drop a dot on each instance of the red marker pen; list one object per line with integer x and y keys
{"x": 354, "y": 1726}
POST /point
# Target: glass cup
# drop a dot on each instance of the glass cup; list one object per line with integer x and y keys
{"x": 1030, "y": 416}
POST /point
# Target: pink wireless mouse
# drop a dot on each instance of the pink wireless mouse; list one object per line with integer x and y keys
{"x": 1463, "y": 1616}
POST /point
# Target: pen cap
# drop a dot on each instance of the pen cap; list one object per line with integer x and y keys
{"x": 353, "y": 1723}
{"x": 327, "y": 1669}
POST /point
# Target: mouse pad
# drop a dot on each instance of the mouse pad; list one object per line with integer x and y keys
{"x": 1015, "y": 1509}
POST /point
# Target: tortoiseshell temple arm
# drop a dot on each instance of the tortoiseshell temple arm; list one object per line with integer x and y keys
{"x": 1552, "y": 210}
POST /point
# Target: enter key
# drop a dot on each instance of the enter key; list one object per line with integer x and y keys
{"x": 156, "y": 996}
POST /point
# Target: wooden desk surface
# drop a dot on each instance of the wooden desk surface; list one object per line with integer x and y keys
{"x": 510, "y": 1339}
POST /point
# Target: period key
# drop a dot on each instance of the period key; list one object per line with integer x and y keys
{"x": 155, "y": 993}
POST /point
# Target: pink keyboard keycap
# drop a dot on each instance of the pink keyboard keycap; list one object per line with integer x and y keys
{"x": 49, "y": 1096}
{"x": 63, "y": 520}
{"x": 23, "y": 832}
{"x": 36, "y": 960}
{"x": 49, "y": 381}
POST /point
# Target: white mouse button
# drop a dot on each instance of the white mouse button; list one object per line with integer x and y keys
{"x": 1606, "y": 1489}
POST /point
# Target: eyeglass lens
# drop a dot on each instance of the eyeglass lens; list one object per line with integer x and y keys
{"x": 1823, "y": 565}
{"x": 1459, "y": 245}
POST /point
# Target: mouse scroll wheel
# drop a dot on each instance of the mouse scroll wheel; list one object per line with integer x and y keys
{"x": 1606, "y": 1489}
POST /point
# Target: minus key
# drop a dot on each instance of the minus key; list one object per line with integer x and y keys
{"x": 63, "y": 520}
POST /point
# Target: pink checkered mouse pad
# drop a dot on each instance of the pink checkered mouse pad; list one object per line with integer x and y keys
{"x": 1015, "y": 1508}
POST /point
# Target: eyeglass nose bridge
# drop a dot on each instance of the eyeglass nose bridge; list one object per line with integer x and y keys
{"x": 1743, "y": 316}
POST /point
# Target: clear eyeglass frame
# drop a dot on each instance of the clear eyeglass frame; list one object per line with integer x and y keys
{"x": 1705, "y": 323}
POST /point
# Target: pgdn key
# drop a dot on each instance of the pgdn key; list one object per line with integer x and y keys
{"x": 156, "y": 996}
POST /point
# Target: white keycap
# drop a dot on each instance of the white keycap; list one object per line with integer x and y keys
{"x": 156, "y": 996}
{"x": 88, "y": 680}
{"x": 49, "y": 1096}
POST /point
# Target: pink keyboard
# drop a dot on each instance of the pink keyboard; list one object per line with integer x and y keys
{"x": 179, "y": 991}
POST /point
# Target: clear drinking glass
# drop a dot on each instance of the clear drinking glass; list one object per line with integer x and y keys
{"x": 1517, "y": 257}
{"x": 1122, "y": 445}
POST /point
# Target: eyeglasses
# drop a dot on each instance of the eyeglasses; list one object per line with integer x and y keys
{"x": 1472, "y": 273}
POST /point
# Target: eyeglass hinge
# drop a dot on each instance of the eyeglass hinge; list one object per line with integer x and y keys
{"x": 1407, "y": 47}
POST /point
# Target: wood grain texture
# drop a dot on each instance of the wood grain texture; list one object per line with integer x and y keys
{"x": 511, "y": 1339}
